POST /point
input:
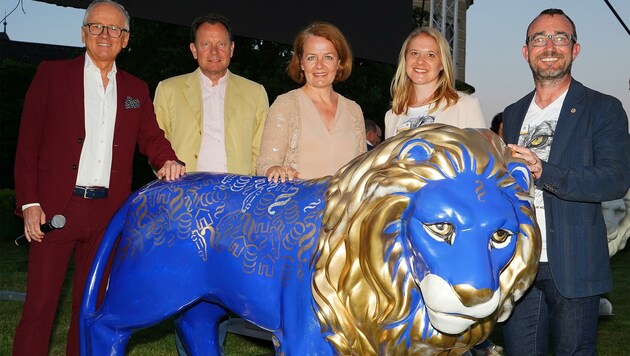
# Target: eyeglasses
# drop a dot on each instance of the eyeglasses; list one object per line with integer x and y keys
{"x": 113, "y": 31}
{"x": 561, "y": 39}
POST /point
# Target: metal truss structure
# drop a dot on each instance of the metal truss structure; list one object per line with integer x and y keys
{"x": 443, "y": 15}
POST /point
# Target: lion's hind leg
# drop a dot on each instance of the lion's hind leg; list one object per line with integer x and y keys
{"x": 198, "y": 328}
{"x": 104, "y": 336}
{"x": 122, "y": 312}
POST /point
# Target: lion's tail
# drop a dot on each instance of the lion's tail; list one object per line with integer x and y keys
{"x": 95, "y": 277}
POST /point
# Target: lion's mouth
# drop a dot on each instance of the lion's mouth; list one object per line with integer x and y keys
{"x": 450, "y": 323}
{"x": 446, "y": 311}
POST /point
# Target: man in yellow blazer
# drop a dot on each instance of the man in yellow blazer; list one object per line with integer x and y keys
{"x": 213, "y": 118}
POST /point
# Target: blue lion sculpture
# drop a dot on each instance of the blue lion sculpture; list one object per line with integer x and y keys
{"x": 419, "y": 246}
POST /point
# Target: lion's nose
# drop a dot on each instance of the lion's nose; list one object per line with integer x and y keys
{"x": 471, "y": 296}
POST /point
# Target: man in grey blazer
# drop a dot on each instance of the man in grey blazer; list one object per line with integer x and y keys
{"x": 575, "y": 141}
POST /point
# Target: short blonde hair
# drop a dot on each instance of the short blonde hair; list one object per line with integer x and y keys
{"x": 329, "y": 32}
{"x": 402, "y": 89}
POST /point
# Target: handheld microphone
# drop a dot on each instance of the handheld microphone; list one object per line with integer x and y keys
{"x": 57, "y": 222}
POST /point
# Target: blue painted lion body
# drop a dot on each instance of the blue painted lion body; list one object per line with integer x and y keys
{"x": 308, "y": 260}
{"x": 216, "y": 239}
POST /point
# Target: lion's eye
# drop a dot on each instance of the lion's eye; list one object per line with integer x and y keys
{"x": 442, "y": 232}
{"x": 501, "y": 238}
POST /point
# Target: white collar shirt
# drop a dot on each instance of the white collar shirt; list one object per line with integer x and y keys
{"x": 212, "y": 153}
{"x": 100, "y": 106}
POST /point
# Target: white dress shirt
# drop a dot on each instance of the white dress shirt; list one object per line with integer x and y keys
{"x": 212, "y": 154}
{"x": 100, "y": 116}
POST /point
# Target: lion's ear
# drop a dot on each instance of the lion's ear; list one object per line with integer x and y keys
{"x": 521, "y": 175}
{"x": 416, "y": 149}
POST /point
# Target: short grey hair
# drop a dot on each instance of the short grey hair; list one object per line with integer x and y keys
{"x": 111, "y": 2}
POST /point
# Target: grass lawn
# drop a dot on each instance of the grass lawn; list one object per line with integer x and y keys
{"x": 160, "y": 340}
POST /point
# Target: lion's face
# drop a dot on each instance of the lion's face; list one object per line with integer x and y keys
{"x": 428, "y": 241}
{"x": 461, "y": 233}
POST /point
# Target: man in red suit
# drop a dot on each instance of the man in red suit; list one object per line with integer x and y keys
{"x": 81, "y": 122}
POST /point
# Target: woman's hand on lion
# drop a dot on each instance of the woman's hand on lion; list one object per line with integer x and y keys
{"x": 282, "y": 174}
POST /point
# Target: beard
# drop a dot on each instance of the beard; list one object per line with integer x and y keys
{"x": 542, "y": 73}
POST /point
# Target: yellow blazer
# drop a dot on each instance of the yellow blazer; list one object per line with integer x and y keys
{"x": 179, "y": 111}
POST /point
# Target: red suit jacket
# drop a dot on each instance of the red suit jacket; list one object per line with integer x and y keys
{"x": 52, "y": 132}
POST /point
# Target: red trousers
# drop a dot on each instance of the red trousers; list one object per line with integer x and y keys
{"x": 47, "y": 265}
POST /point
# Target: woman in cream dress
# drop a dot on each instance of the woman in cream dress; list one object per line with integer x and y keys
{"x": 313, "y": 131}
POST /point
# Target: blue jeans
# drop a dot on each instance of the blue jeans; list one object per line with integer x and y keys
{"x": 543, "y": 312}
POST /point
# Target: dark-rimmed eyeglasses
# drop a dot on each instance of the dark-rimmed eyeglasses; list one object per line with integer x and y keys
{"x": 560, "y": 39}
{"x": 113, "y": 31}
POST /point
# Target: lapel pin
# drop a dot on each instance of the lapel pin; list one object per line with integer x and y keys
{"x": 573, "y": 111}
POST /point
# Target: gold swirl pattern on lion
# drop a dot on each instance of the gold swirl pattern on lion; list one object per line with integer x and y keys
{"x": 418, "y": 247}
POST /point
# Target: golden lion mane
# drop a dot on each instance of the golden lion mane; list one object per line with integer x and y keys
{"x": 362, "y": 285}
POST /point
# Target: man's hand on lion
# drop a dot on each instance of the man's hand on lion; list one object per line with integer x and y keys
{"x": 534, "y": 164}
{"x": 171, "y": 170}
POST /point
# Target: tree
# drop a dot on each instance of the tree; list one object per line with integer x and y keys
{"x": 158, "y": 51}
{"x": 16, "y": 77}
